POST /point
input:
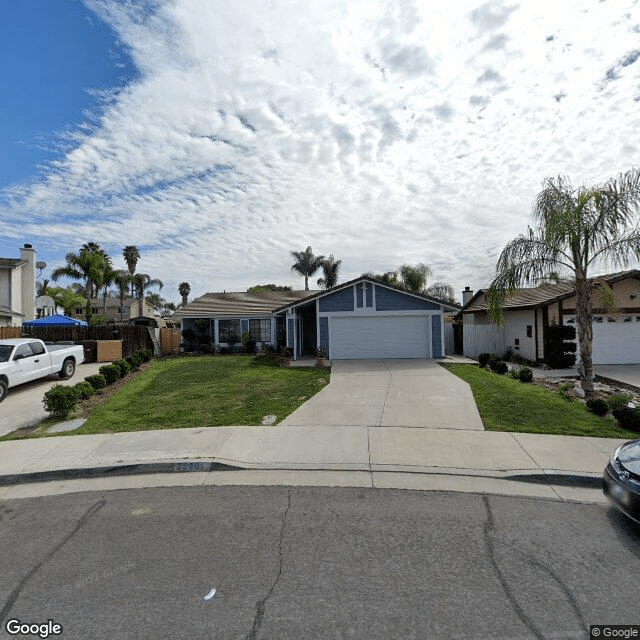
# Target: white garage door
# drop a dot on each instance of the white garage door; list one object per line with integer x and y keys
{"x": 616, "y": 339}
{"x": 379, "y": 337}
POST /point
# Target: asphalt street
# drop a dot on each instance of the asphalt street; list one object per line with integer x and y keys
{"x": 309, "y": 562}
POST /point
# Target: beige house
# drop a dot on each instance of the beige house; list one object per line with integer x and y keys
{"x": 530, "y": 311}
{"x": 18, "y": 288}
{"x": 114, "y": 312}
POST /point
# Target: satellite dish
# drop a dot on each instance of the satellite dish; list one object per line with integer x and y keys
{"x": 41, "y": 264}
{"x": 43, "y": 302}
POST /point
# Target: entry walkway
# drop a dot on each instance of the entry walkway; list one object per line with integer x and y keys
{"x": 390, "y": 393}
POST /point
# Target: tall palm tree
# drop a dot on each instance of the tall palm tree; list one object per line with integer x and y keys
{"x": 330, "y": 268}
{"x": 414, "y": 277}
{"x": 577, "y": 229}
{"x": 122, "y": 280}
{"x": 87, "y": 266}
{"x": 109, "y": 275}
{"x": 184, "y": 289}
{"x": 306, "y": 264}
{"x": 155, "y": 300}
{"x": 131, "y": 256}
{"x": 142, "y": 282}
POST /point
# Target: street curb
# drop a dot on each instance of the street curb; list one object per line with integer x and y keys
{"x": 119, "y": 470}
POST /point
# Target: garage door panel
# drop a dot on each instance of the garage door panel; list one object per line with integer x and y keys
{"x": 379, "y": 337}
{"x": 616, "y": 342}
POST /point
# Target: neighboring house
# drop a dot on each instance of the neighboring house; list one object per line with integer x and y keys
{"x": 530, "y": 311}
{"x": 131, "y": 308}
{"x": 360, "y": 319}
{"x": 18, "y": 288}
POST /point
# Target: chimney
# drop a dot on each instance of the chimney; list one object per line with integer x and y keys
{"x": 28, "y": 253}
{"x": 467, "y": 294}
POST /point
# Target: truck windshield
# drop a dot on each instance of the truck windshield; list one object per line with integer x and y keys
{"x": 5, "y": 352}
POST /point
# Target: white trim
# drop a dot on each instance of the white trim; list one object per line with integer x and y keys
{"x": 317, "y": 324}
{"x": 355, "y": 297}
{"x": 373, "y": 288}
{"x": 369, "y": 312}
{"x": 441, "y": 335}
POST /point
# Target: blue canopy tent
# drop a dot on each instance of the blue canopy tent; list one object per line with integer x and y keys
{"x": 56, "y": 320}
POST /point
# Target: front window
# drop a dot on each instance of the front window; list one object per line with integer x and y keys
{"x": 23, "y": 351}
{"x": 229, "y": 331}
{"x": 260, "y": 330}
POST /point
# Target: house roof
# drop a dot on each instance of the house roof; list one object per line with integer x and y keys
{"x": 12, "y": 263}
{"x": 240, "y": 303}
{"x": 542, "y": 295}
{"x": 325, "y": 292}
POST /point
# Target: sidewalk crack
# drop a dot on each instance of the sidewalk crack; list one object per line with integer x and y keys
{"x": 259, "y": 617}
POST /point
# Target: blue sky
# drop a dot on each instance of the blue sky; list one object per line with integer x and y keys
{"x": 219, "y": 136}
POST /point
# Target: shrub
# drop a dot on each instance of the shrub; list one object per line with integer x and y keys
{"x": 97, "y": 381}
{"x": 124, "y": 366}
{"x": 134, "y": 360}
{"x": 145, "y": 354}
{"x": 498, "y": 366}
{"x": 111, "y": 372}
{"x": 560, "y": 350}
{"x": 84, "y": 390}
{"x": 60, "y": 400}
{"x": 483, "y": 359}
{"x": 628, "y": 418}
{"x": 618, "y": 400}
{"x": 598, "y": 406}
{"x": 525, "y": 374}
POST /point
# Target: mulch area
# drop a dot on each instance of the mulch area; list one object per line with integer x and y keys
{"x": 601, "y": 389}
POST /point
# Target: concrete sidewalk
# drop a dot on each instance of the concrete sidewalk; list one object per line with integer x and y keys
{"x": 555, "y": 467}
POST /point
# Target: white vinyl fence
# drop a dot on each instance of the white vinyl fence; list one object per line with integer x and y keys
{"x": 482, "y": 338}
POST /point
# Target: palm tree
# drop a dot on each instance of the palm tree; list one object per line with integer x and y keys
{"x": 306, "y": 264}
{"x": 122, "y": 280}
{"x": 66, "y": 298}
{"x": 131, "y": 256}
{"x": 155, "y": 300}
{"x": 184, "y": 289}
{"x": 109, "y": 275}
{"x": 42, "y": 288}
{"x": 142, "y": 282}
{"x": 87, "y": 266}
{"x": 414, "y": 278}
{"x": 330, "y": 268}
{"x": 577, "y": 229}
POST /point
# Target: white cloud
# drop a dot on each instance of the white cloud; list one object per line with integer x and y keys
{"x": 380, "y": 131}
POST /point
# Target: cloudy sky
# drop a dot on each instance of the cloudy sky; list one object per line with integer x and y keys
{"x": 218, "y": 136}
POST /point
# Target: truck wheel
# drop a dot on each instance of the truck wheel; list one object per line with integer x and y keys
{"x": 4, "y": 389}
{"x": 68, "y": 368}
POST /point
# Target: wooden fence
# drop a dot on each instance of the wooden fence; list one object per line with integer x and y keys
{"x": 10, "y": 332}
{"x": 134, "y": 338}
{"x": 170, "y": 339}
{"x": 482, "y": 338}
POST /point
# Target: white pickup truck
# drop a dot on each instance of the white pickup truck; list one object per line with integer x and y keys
{"x": 25, "y": 359}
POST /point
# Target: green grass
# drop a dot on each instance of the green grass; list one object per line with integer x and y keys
{"x": 208, "y": 391}
{"x": 509, "y": 405}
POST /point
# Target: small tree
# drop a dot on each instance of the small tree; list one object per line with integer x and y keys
{"x": 184, "y": 289}
{"x": 576, "y": 230}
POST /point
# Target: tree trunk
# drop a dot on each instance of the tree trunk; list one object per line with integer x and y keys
{"x": 306, "y": 282}
{"x": 585, "y": 333}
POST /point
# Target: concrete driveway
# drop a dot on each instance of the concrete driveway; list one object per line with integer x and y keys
{"x": 627, "y": 373}
{"x": 23, "y": 405}
{"x": 390, "y": 393}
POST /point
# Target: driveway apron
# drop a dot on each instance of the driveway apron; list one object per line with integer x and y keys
{"x": 390, "y": 393}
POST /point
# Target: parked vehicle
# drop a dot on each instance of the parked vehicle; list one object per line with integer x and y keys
{"x": 26, "y": 359}
{"x": 621, "y": 481}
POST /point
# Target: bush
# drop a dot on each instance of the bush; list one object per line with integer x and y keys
{"x": 560, "y": 350}
{"x": 84, "y": 390}
{"x": 497, "y": 365}
{"x": 145, "y": 354}
{"x": 97, "y": 381}
{"x": 134, "y": 360}
{"x": 60, "y": 400}
{"x": 598, "y": 406}
{"x": 483, "y": 359}
{"x": 628, "y": 418}
{"x": 111, "y": 372}
{"x": 618, "y": 400}
{"x": 124, "y": 366}
{"x": 525, "y": 374}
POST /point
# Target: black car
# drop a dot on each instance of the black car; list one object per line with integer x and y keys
{"x": 621, "y": 481}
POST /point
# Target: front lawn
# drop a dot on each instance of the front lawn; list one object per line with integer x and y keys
{"x": 509, "y": 405}
{"x": 206, "y": 391}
